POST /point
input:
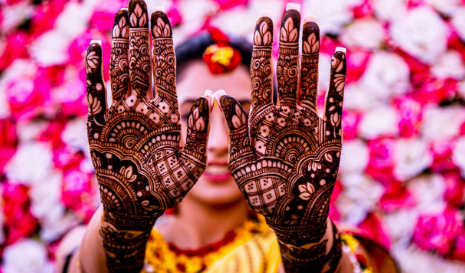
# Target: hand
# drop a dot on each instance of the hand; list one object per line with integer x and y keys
{"x": 285, "y": 158}
{"x": 135, "y": 143}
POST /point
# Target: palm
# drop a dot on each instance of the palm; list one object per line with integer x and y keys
{"x": 285, "y": 158}
{"x": 135, "y": 144}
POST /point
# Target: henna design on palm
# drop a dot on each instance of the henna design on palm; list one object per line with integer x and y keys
{"x": 134, "y": 144}
{"x": 285, "y": 158}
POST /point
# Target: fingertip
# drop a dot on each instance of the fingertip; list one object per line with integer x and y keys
{"x": 209, "y": 95}
{"x": 265, "y": 13}
{"x": 293, "y": 6}
{"x": 218, "y": 95}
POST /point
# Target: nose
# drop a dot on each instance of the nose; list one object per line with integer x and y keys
{"x": 218, "y": 140}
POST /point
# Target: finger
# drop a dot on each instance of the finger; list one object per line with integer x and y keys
{"x": 119, "y": 65}
{"x": 164, "y": 60}
{"x": 335, "y": 95}
{"x": 287, "y": 69}
{"x": 309, "y": 63}
{"x": 194, "y": 154}
{"x": 240, "y": 149}
{"x": 261, "y": 71}
{"x": 139, "y": 54}
{"x": 96, "y": 95}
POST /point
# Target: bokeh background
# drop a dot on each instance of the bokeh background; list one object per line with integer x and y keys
{"x": 403, "y": 167}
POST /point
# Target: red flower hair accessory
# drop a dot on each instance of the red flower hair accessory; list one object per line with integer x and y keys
{"x": 221, "y": 57}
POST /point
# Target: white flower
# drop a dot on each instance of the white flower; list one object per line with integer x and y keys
{"x": 54, "y": 225}
{"x": 401, "y": 224}
{"x": 422, "y": 33}
{"x": 447, "y": 7}
{"x": 381, "y": 121}
{"x": 414, "y": 260}
{"x": 75, "y": 134}
{"x": 25, "y": 257}
{"x": 458, "y": 21}
{"x": 390, "y": 10}
{"x": 51, "y": 48}
{"x": 29, "y": 131}
{"x": 359, "y": 98}
{"x": 442, "y": 123}
{"x": 412, "y": 156}
{"x": 449, "y": 65}
{"x": 46, "y": 196}
{"x": 362, "y": 189}
{"x": 428, "y": 191}
{"x": 386, "y": 75}
{"x": 331, "y": 14}
{"x": 31, "y": 164}
{"x": 459, "y": 154}
{"x": 365, "y": 33}
{"x": 15, "y": 14}
{"x": 324, "y": 67}
{"x": 354, "y": 156}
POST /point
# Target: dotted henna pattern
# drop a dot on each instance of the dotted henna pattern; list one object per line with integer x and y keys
{"x": 285, "y": 158}
{"x": 134, "y": 143}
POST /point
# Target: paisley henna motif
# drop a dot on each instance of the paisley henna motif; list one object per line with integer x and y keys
{"x": 134, "y": 143}
{"x": 285, "y": 158}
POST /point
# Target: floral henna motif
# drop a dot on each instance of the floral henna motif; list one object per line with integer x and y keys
{"x": 119, "y": 66}
{"x": 309, "y": 65}
{"x": 288, "y": 166}
{"x": 287, "y": 69}
{"x": 135, "y": 151}
{"x": 139, "y": 54}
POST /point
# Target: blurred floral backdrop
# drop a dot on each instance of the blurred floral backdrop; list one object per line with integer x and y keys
{"x": 403, "y": 167}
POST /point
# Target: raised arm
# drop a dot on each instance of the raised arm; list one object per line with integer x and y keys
{"x": 284, "y": 157}
{"x": 135, "y": 142}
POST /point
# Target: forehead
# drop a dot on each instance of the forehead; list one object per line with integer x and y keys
{"x": 196, "y": 78}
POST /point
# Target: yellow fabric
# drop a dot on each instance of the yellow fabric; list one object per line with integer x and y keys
{"x": 253, "y": 249}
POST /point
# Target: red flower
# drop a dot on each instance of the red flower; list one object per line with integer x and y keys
{"x": 19, "y": 222}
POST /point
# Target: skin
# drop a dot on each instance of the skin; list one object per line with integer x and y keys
{"x": 215, "y": 201}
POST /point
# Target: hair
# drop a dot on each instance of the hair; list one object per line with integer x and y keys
{"x": 194, "y": 47}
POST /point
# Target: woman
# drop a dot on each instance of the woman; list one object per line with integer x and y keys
{"x": 284, "y": 158}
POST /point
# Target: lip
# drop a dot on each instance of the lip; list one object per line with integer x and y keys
{"x": 217, "y": 172}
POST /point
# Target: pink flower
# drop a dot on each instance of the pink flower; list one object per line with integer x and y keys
{"x": 27, "y": 96}
{"x": 229, "y": 4}
{"x": 442, "y": 161}
{"x": 66, "y": 157}
{"x": 410, "y": 112}
{"x": 350, "y": 121}
{"x": 333, "y": 212}
{"x": 437, "y": 232}
{"x": 435, "y": 90}
{"x": 8, "y": 141}
{"x": 45, "y": 16}
{"x": 19, "y": 223}
{"x": 396, "y": 197}
{"x": 458, "y": 252}
{"x": 174, "y": 14}
{"x": 364, "y": 9}
{"x": 455, "y": 188}
{"x": 372, "y": 228}
{"x": 356, "y": 65}
{"x": 13, "y": 49}
{"x": 77, "y": 192}
{"x": 381, "y": 163}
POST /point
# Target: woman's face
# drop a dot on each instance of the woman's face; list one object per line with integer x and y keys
{"x": 216, "y": 186}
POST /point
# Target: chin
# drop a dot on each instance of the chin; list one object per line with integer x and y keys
{"x": 214, "y": 191}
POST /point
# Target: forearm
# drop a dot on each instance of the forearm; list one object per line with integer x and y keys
{"x": 302, "y": 253}
{"x": 106, "y": 248}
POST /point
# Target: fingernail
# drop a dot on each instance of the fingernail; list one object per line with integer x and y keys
{"x": 310, "y": 18}
{"x": 96, "y": 42}
{"x": 342, "y": 49}
{"x": 218, "y": 95}
{"x": 209, "y": 95}
{"x": 293, "y": 6}
{"x": 126, "y": 9}
{"x": 265, "y": 13}
{"x": 158, "y": 8}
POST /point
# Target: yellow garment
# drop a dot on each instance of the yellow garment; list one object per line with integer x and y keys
{"x": 254, "y": 248}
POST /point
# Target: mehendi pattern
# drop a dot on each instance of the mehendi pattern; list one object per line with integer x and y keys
{"x": 134, "y": 143}
{"x": 285, "y": 158}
